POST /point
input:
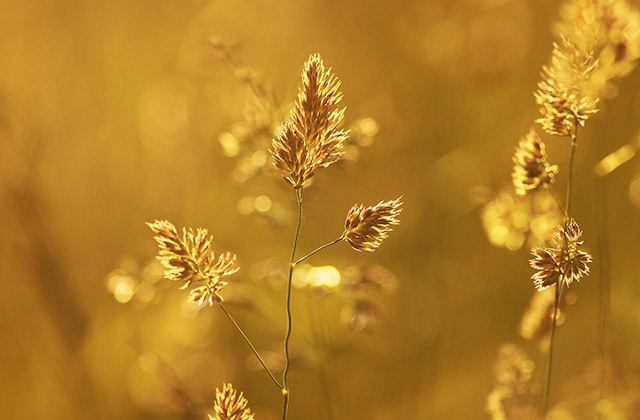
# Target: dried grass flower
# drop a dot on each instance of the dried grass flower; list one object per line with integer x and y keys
{"x": 563, "y": 94}
{"x": 610, "y": 29}
{"x": 564, "y": 262}
{"x": 188, "y": 258}
{"x": 530, "y": 167}
{"x": 311, "y": 136}
{"x": 367, "y": 227}
{"x": 230, "y": 406}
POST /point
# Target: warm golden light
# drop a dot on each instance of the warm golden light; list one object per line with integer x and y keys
{"x": 381, "y": 158}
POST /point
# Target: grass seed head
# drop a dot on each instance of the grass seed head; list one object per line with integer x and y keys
{"x": 367, "y": 227}
{"x": 530, "y": 167}
{"x": 230, "y": 406}
{"x": 311, "y": 136}
{"x": 563, "y": 262}
{"x": 188, "y": 258}
{"x": 564, "y": 94}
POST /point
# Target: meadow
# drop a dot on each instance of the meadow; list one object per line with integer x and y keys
{"x": 361, "y": 210}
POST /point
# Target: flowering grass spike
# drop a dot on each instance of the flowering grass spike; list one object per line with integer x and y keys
{"x": 564, "y": 262}
{"x": 610, "y": 29}
{"x": 563, "y": 94}
{"x": 310, "y": 137}
{"x": 230, "y": 406}
{"x": 189, "y": 258}
{"x": 531, "y": 169}
{"x": 367, "y": 227}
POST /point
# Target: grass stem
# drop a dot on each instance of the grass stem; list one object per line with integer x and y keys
{"x": 560, "y": 283}
{"x": 246, "y": 339}
{"x": 287, "y": 361}
{"x": 327, "y": 245}
{"x": 554, "y": 320}
{"x": 567, "y": 206}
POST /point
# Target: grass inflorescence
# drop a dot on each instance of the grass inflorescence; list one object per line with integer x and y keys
{"x": 597, "y": 43}
{"x": 310, "y": 138}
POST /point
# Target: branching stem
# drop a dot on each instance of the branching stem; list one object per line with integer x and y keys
{"x": 246, "y": 339}
{"x": 327, "y": 245}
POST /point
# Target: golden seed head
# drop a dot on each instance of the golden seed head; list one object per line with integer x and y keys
{"x": 563, "y": 93}
{"x": 188, "y": 258}
{"x": 571, "y": 233}
{"x": 565, "y": 262}
{"x": 599, "y": 41}
{"x": 230, "y": 406}
{"x": 610, "y": 29}
{"x": 311, "y": 136}
{"x": 545, "y": 261}
{"x": 530, "y": 167}
{"x": 367, "y": 227}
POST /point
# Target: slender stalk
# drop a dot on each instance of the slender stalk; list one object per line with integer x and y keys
{"x": 327, "y": 245}
{"x": 554, "y": 319}
{"x": 285, "y": 373}
{"x": 567, "y": 206}
{"x": 560, "y": 283}
{"x": 246, "y": 339}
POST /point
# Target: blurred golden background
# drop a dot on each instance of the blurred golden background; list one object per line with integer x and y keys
{"x": 116, "y": 113}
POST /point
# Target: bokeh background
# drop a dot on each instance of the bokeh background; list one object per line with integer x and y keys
{"x": 117, "y": 113}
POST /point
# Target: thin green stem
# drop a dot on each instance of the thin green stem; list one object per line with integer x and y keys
{"x": 327, "y": 245}
{"x": 554, "y": 319}
{"x": 560, "y": 283}
{"x": 246, "y": 339}
{"x": 567, "y": 206}
{"x": 285, "y": 373}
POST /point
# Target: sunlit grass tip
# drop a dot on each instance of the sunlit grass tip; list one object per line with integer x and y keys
{"x": 563, "y": 262}
{"x": 189, "y": 258}
{"x": 311, "y": 137}
{"x": 230, "y": 405}
{"x": 367, "y": 227}
{"x": 531, "y": 170}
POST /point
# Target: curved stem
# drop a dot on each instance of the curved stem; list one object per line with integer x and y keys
{"x": 327, "y": 245}
{"x": 246, "y": 339}
{"x": 285, "y": 373}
